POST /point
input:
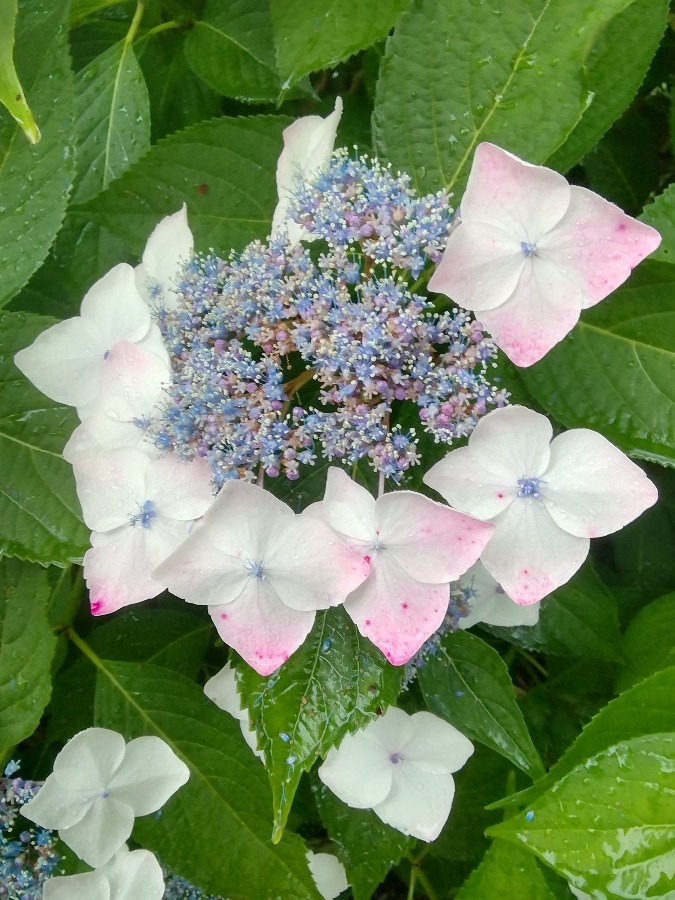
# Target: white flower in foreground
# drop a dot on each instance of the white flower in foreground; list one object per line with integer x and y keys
{"x": 414, "y": 547}
{"x": 127, "y": 876}
{"x": 67, "y": 361}
{"x": 308, "y": 145}
{"x": 488, "y": 602}
{"x": 546, "y": 497}
{"x": 221, "y": 689}
{"x": 169, "y": 246}
{"x": 262, "y": 571}
{"x": 129, "y": 391}
{"x": 99, "y": 784}
{"x": 139, "y": 509}
{"x": 328, "y": 873}
{"x": 531, "y": 252}
{"x": 400, "y": 767}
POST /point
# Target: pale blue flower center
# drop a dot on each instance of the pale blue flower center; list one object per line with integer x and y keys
{"x": 255, "y": 569}
{"x": 528, "y": 249}
{"x": 105, "y": 795}
{"x": 396, "y": 758}
{"x": 529, "y": 487}
{"x": 146, "y": 513}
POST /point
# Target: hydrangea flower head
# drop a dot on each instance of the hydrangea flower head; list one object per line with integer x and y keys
{"x": 546, "y": 497}
{"x": 400, "y": 767}
{"x": 134, "y": 875}
{"x": 99, "y": 784}
{"x": 532, "y": 251}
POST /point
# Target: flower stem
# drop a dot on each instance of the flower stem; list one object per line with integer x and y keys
{"x": 135, "y": 22}
{"x": 413, "y": 879}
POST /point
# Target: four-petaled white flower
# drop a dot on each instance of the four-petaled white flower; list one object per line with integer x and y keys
{"x": 128, "y": 875}
{"x": 308, "y": 145}
{"x": 531, "y": 252}
{"x": 169, "y": 246}
{"x": 262, "y": 571}
{"x": 140, "y": 509}
{"x": 68, "y": 361}
{"x": 488, "y": 602}
{"x": 414, "y": 546}
{"x": 546, "y": 497}
{"x": 99, "y": 784}
{"x": 400, "y": 767}
{"x": 222, "y": 690}
{"x": 328, "y": 874}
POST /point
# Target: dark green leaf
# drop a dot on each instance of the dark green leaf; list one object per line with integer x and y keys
{"x": 510, "y": 873}
{"x": 468, "y": 685}
{"x": 608, "y": 825}
{"x": 614, "y": 373}
{"x": 456, "y": 74}
{"x": 232, "y": 49}
{"x": 35, "y": 180}
{"x": 367, "y": 847}
{"x": 11, "y": 92}
{"x": 661, "y": 215}
{"x": 315, "y": 34}
{"x": 648, "y": 644}
{"x": 40, "y": 517}
{"x": 26, "y": 650}
{"x": 335, "y": 683}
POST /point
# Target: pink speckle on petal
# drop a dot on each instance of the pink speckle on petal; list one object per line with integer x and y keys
{"x": 97, "y": 607}
{"x": 223, "y": 616}
{"x": 367, "y": 622}
{"x": 404, "y": 605}
{"x": 367, "y": 559}
{"x": 500, "y": 495}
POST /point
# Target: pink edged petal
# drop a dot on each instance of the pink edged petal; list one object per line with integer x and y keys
{"x": 100, "y": 433}
{"x": 436, "y": 746}
{"x": 53, "y": 807}
{"x": 592, "y": 488}
{"x": 118, "y": 570}
{"x": 169, "y": 246}
{"x": 419, "y": 803}
{"x": 89, "y": 759}
{"x": 430, "y": 542}
{"x": 509, "y": 193}
{"x": 359, "y": 771}
{"x": 347, "y": 507}
{"x": 179, "y": 489}
{"x": 600, "y": 242}
{"x": 115, "y": 308}
{"x": 396, "y": 612}
{"x": 87, "y": 886}
{"x": 529, "y": 554}
{"x": 544, "y": 307}
{"x": 262, "y": 629}
{"x": 65, "y": 362}
{"x": 134, "y": 876}
{"x": 308, "y": 145}
{"x": 131, "y": 382}
{"x": 111, "y": 487}
{"x": 489, "y": 602}
{"x": 481, "y": 266}
{"x": 328, "y": 874}
{"x": 149, "y": 774}
{"x": 101, "y": 832}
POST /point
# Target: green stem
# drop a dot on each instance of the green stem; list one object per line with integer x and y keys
{"x": 157, "y": 29}
{"x": 83, "y": 647}
{"x": 426, "y": 884}
{"x": 135, "y": 22}
{"x": 413, "y": 879}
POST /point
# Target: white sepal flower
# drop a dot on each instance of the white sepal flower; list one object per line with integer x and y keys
{"x": 546, "y": 497}
{"x": 134, "y": 875}
{"x": 221, "y": 689}
{"x": 67, "y": 361}
{"x": 328, "y": 873}
{"x": 400, "y": 767}
{"x": 99, "y": 784}
{"x": 262, "y": 571}
{"x": 414, "y": 546}
{"x": 308, "y": 145}
{"x": 169, "y": 246}
{"x": 488, "y": 602}
{"x": 531, "y": 252}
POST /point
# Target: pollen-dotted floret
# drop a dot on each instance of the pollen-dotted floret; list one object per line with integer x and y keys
{"x": 289, "y": 351}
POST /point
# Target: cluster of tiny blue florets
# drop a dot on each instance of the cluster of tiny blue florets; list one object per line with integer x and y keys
{"x": 295, "y": 349}
{"x": 27, "y": 857}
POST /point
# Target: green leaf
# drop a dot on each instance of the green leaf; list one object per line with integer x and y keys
{"x": 455, "y": 74}
{"x": 615, "y": 67}
{"x": 35, "y": 180}
{"x": 80, "y": 9}
{"x": 646, "y": 708}
{"x": 40, "y": 517}
{"x": 26, "y": 650}
{"x": 367, "y": 847}
{"x": 11, "y": 92}
{"x": 232, "y": 49}
{"x": 227, "y": 793}
{"x": 661, "y": 215}
{"x": 112, "y": 121}
{"x": 467, "y": 684}
{"x": 508, "y": 873}
{"x": 625, "y": 348}
{"x": 648, "y": 642}
{"x": 224, "y": 169}
{"x": 335, "y": 683}
{"x": 315, "y": 34}
{"x": 608, "y": 825}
